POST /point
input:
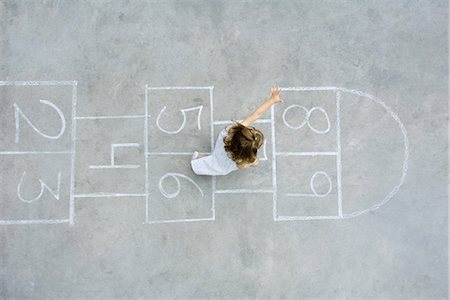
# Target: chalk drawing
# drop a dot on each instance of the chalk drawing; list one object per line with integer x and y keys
{"x": 113, "y": 164}
{"x": 305, "y": 113}
{"x": 183, "y": 112}
{"x": 312, "y": 186}
{"x": 19, "y": 113}
{"x": 306, "y": 119}
{"x": 43, "y": 187}
{"x": 173, "y": 175}
{"x": 178, "y": 189}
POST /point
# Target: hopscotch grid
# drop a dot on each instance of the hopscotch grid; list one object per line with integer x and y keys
{"x": 179, "y": 221}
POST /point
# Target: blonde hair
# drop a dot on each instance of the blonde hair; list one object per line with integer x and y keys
{"x": 242, "y": 144}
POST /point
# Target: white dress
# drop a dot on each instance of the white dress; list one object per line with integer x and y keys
{"x": 218, "y": 163}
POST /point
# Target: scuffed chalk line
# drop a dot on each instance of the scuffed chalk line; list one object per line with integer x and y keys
{"x": 242, "y": 191}
{"x": 111, "y": 117}
{"x": 28, "y": 222}
{"x": 225, "y": 122}
{"x": 107, "y": 195}
{"x": 50, "y": 82}
{"x": 179, "y": 221}
{"x": 180, "y": 88}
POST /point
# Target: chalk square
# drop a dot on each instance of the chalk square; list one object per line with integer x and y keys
{"x": 179, "y": 120}
{"x": 25, "y": 177}
{"x": 94, "y": 141}
{"x": 253, "y": 178}
{"x": 191, "y": 199}
{"x": 295, "y": 186}
{"x": 295, "y": 132}
{"x": 31, "y": 110}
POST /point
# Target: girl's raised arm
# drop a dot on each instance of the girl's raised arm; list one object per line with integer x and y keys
{"x": 274, "y": 98}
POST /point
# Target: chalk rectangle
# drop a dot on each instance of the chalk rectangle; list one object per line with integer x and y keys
{"x": 37, "y": 151}
{"x": 35, "y": 188}
{"x": 306, "y": 121}
{"x": 37, "y": 115}
{"x": 306, "y": 188}
{"x": 179, "y": 119}
{"x": 175, "y": 193}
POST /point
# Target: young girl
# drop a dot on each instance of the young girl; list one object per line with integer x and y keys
{"x": 237, "y": 145}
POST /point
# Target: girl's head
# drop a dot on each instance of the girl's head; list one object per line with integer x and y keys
{"x": 242, "y": 144}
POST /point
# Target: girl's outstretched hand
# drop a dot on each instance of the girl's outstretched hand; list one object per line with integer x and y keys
{"x": 275, "y": 94}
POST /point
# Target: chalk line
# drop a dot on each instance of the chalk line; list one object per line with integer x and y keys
{"x": 213, "y": 178}
{"x": 298, "y": 218}
{"x": 108, "y": 195}
{"x": 110, "y": 117}
{"x": 50, "y": 82}
{"x": 305, "y": 153}
{"x": 179, "y": 221}
{"x": 183, "y": 112}
{"x": 73, "y": 155}
{"x": 176, "y": 153}
{"x": 44, "y": 187}
{"x": 146, "y": 151}
{"x": 242, "y": 191}
{"x": 180, "y": 88}
{"x": 274, "y": 165}
{"x": 30, "y": 222}
{"x": 226, "y": 122}
{"x": 33, "y": 152}
{"x": 338, "y": 155}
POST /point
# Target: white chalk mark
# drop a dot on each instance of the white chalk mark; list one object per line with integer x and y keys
{"x": 307, "y": 117}
{"x": 51, "y": 82}
{"x": 274, "y": 164}
{"x": 146, "y": 151}
{"x": 338, "y": 156}
{"x": 226, "y": 122}
{"x": 304, "y": 119}
{"x": 72, "y": 161}
{"x": 312, "y": 88}
{"x": 306, "y": 218}
{"x": 313, "y": 189}
{"x": 110, "y": 117}
{"x": 176, "y": 153}
{"x": 44, "y": 187}
{"x": 179, "y": 221}
{"x": 178, "y": 189}
{"x": 183, "y": 112}
{"x": 113, "y": 164}
{"x": 242, "y": 191}
{"x": 264, "y": 151}
{"x": 108, "y": 195}
{"x": 181, "y": 88}
{"x": 213, "y": 178}
{"x": 33, "y": 152}
{"x": 405, "y": 153}
{"x": 18, "y": 112}
{"x": 306, "y": 153}
{"x": 31, "y": 222}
